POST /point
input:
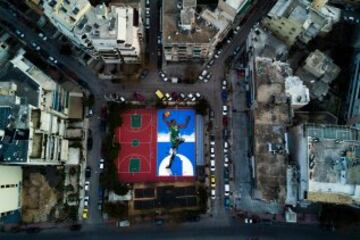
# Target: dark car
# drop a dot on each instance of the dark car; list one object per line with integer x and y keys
{"x": 225, "y": 120}
{"x": 139, "y": 97}
{"x": 224, "y": 95}
{"x": 89, "y": 140}
{"x": 88, "y": 172}
{"x": 144, "y": 73}
{"x": 33, "y": 230}
{"x": 193, "y": 218}
{"x": 159, "y": 221}
{"x": 75, "y": 227}
{"x": 225, "y": 133}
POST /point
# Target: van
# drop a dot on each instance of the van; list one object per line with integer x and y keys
{"x": 159, "y": 94}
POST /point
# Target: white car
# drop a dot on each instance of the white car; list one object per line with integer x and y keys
{"x": 213, "y": 194}
{"x": 20, "y": 33}
{"x": 212, "y": 165}
{"x": 226, "y": 161}
{"x": 101, "y": 164}
{"x": 182, "y": 96}
{"x": 248, "y": 220}
{"x": 168, "y": 96}
{"x": 86, "y": 185}
{"x": 204, "y": 73}
{"x": 212, "y": 143}
{"x": 147, "y": 12}
{"x": 53, "y": 60}
{"x": 226, "y": 147}
{"x": 236, "y": 30}
{"x": 35, "y": 46}
{"x": 197, "y": 95}
{"x": 227, "y": 190}
{"x": 41, "y": 35}
{"x": 86, "y": 201}
{"x": 224, "y": 83}
{"x": 212, "y": 152}
{"x": 225, "y": 110}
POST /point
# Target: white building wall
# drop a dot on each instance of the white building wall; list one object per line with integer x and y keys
{"x": 10, "y": 188}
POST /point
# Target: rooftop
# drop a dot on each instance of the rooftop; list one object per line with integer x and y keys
{"x": 272, "y": 115}
{"x": 334, "y": 164}
{"x": 200, "y": 33}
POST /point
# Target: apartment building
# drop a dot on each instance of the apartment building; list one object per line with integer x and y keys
{"x": 299, "y": 20}
{"x": 234, "y": 7}
{"x": 34, "y": 111}
{"x": 10, "y": 194}
{"x": 112, "y": 33}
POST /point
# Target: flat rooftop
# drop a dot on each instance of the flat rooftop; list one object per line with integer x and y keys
{"x": 272, "y": 115}
{"x": 201, "y": 33}
{"x": 334, "y": 164}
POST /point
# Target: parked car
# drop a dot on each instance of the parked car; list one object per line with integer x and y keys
{"x": 225, "y": 110}
{"x": 236, "y": 30}
{"x": 42, "y": 36}
{"x": 212, "y": 165}
{"x": 35, "y": 46}
{"x": 168, "y": 97}
{"x": 226, "y": 161}
{"x": 139, "y": 97}
{"x": 227, "y": 203}
{"x": 88, "y": 172}
{"x": 85, "y": 214}
{"x": 53, "y": 60}
{"x": 159, "y": 95}
{"x": 227, "y": 190}
{"x": 89, "y": 142}
{"x": 213, "y": 196}
{"x": 20, "y": 34}
{"x": 225, "y": 134}
{"x": 197, "y": 95}
{"x": 86, "y": 201}
{"x": 212, "y": 181}
{"x": 144, "y": 73}
{"x": 237, "y": 50}
{"x": 86, "y": 185}
{"x": 182, "y": 96}
{"x": 226, "y": 147}
{"x": 217, "y": 53}
{"x": 210, "y": 63}
{"x": 212, "y": 152}
{"x": 101, "y": 164}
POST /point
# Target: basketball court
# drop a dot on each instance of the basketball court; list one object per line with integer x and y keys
{"x": 137, "y": 138}
{"x": 140, "y": 150}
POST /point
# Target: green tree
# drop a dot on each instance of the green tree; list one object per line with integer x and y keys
{"x": 116, "y": 210}
{"x": 69, "y": 188}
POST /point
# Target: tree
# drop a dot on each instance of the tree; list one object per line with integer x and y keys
{"x": 116, "y": 210}
{"x": 120, "y": 189}
{"x": 72, "y": 171}
{"x": 69, "y": 188}
{"x": 202, "y": 107}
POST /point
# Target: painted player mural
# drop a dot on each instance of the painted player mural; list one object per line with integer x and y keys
{"x": 176, "y": 142}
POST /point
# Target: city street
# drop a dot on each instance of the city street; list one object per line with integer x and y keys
{"x": 147, "y": 87}
{"x": 191, "y": 231}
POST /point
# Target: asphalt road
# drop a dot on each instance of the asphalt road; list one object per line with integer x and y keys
{"x": 147, "y": 87}
{"x": 191, "y": 231}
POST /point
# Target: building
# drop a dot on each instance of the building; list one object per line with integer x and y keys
{"x": 297, "y": 92}
{"x": 272, "y": 113}
{"x": 328, "y": 163}
{"x": 318, "y": 72}
{"x": 33, "y": 116}
{"x": 298, "y": 21}
{"x": 185, "y": 38}
{"x": 112, "y": 34}
{"x": 10, "y": 194}
{"x": 234, "y": 7}
{"x": 353, "y": 101}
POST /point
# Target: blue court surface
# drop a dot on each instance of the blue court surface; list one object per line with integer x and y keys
{"x": 183, "y": 141}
